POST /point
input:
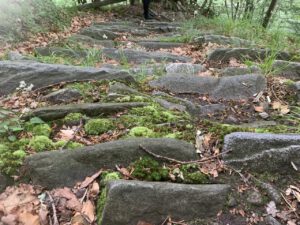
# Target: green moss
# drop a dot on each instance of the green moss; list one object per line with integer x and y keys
{"x": 41, "y": 143}
{"x": 132, "y": 99}
{"x": 149, "y": 169}
{"x": 102, "y": 199}
{"x": 190, "y": 174}
{"x": 41, "y": 130}
{"x": 20, "y": 144}
{"x": 20, "y": 153}
{"x": 70, "y": 145}
{"x": 173, "y": 135}
{"x": 10, "y": 160}
{"x": 73, "y": 118}
{"x": 98, "y": 126}
{"x": 141, "y": 132}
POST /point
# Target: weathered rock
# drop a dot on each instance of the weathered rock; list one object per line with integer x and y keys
{"x": 169, "y": 105}
{"x": 211, "y": 109}
{"x": 131, "y": 201}
{"x": 14, "y": 55}
{"x": 262, "y": 152}
{"x": 99, "y": 33}
{"x": 223, "y": 40}
{"x": 62, "y": 96}
{"x": 63, "y": 52}
{"x": 271, "y": 221}
{"x": 235, "y": 87}
{"x": 89, "y": 109}
{"x": 156, "y": 45}
{"x": 65, "y": 168}
{"x": 297, "y": 87}
{"x": 184, "y": 68}
{"x": 233, "y": 71}
{"x": 290, "y": 70}
{"x": 120, "y": 88}
{"x": 271, "y": 191}
{"x": 225, "y": 54}
{"x": 41, "y": 74}
{"x": 91, "y": 41}
{"x": 135, "y": 56}
{"x": 4, "y": 182}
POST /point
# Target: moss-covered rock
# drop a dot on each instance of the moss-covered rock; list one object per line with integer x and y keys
{"x": 41, "y": 143}
{"x": 73, "y": 119}
{"x": 67, "y": 145}
{"x": 149, "y": 169}
{"x": 98, "y": 126}
{"x": 141, "y": 132}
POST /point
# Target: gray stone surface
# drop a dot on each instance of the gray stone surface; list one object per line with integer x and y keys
{"x": 169, "y": 105}
{"x": 297, "y": 86}
{"x": 290, "y": 70}
{"x": 263, "y": 152}
{"x": 223, "y": 40}
{"x": 235, "y": 87}
{"x": 98, "y": 33}
{"x": 136, "y": 56}
{"x": 89, "y": 109}
{"x": 156, "y": 45}
{"x": 91, "y": 41}
{"x": 63, "y": 52}
{"x": 270, "y": 220}
{"x": 211, "y": 109}
{"x": 42, "y": 74}
{"x": 233, "y": 71}
{"x": 120, "y": 88}
{"x": 62, "y": 96}
{"x": 255, "y": 198}
{"x": 225, "y": 54}
{"x": 131, "y": 201}
{"x": 184, "y": 68}
{"x": 65, "y": 168}
{"x": 4, "y": 182}
{"x": 14, "y": 55}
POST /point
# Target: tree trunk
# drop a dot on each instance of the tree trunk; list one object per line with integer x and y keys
{"x": 269, "y": 13}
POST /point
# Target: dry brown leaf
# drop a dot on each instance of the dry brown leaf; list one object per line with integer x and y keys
{"x": 88, "y": 210}
{"x": 276, "y": 105}
{"x": 66, "y": 135}
{"x": 9, "y": 219}
{"x": 259, "y": 109}
{"x": 79, "y": 219}
{"x": 143, "y": 223}
{"x": 95, "y": 189}
{"x": 284, "y": 109}
{"x": 89, "y": 180}
{"x": 43, "y": 214}
{"x": 27, "y": 218}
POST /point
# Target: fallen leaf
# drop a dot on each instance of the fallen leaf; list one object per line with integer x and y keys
{"x": 259, "y": 108}
{"x": 271, "y": 208}
{"x": 143, "y": 223}
{"x": 276, "y": 105}
{"x": 88, "y": 210}
{"x": 66, "y": 134}
{"x": 284, "y": 109}
{"x": 27, "y": 218}
{"x": 89, "y": 180}
{"x": 95, "y": 189}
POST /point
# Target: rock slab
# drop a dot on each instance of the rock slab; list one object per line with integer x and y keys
{"x": 234, "y": 87}
{"x": 290, "y": 70}
{"x": 263, "y": 152}
{"x": 65, "y": 168}
{"x": 184, "y": 68}
{"x": 42, "y": 74}
{"x": 223, "y": 40}
{"x": 131, "y": 201}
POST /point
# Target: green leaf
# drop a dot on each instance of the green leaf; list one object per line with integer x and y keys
{"x": 12, "y": 138}
{"x": 36, "y": 120}
{"x": 15, "y": 129}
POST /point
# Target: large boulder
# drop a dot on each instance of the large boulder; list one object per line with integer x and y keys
{"x": 89, "y": 109}
{"x": 42, "y": 74}
{"x": 290, "y": 70}
{"x": 65, "y": 168}
{"x": 225, "y": 54}
{"x": 65, "y": 95}
{"x": 131, "y": 201}
{"x": 235, "y": 87}
{"x": 262, "y": 152}
{"x": 136, "y": 56}
{"x": 223, "y": 40}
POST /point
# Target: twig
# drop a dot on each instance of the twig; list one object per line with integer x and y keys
{"x": 163, "y": 223}
{"x": 55, "y": 220}
{"x": 289, "y": 205}
{"x": 179, "y": 222}
{"x": 75, "y": 133}
{"x": 245, "y": 180}
{"x": 124, "y": 174}
{"x": 178, "y": 161}
{"x": 85, "y": 193}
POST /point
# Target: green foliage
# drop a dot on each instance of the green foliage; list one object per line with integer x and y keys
{"x": 41, "y": 143}
{"x": 10, "y": 125}
{"x": 192, "y": 175}
{"x": 98, "y": 126}
{"x": 41, "y": 130}
{"x": 141, "y": 132}
{"x": 67, "y": 145}
{"x": 149, "y": 169}
{"x": 73, "y": 118}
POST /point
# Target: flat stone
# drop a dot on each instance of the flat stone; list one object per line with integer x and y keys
{"x": 262, "y": 152}
{"x": 169, "y": 105}
{"x": 234, "y": 71}
{"x": 152, "y": 202}
{"x": 91, "y": 41}
{"x": 223, "y": 40}
{"x": 120, "y": 88}
{"x": 136, "y": 56}
{"x": 4, "y": 182}
{"x": 15, "y": 56}
{"x": 184, "y": 68}
{"x": 42, "y": 74}
{"x": 271, "y": 220}
{"x": 225, "y": 54}
{"x": 99, "y": 33}
{"x": 65, "y": 168}
{"x": 290, "y": 70}
{"x": 89, "y": 109}
{"x": 156, "y": 45}
{"x": 235, "y": 87}
{"x": 62, "y": 96}
{"x": 63, "y": 52}
{"x": 211, "y": 109}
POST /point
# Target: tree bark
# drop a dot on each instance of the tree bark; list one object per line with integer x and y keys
{"x": 269, "y": 13}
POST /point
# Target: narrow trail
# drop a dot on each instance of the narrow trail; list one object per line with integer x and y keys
{"x": 130, "y": 99}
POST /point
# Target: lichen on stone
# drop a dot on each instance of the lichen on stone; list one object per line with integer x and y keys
{"x": 98, "y": 126}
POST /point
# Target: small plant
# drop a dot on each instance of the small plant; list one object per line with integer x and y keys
{"x": 10, "y": 125}
{"x": 73, "y": 119}
{"x": 141, "y": 132}
{"x": 98, "y": 126}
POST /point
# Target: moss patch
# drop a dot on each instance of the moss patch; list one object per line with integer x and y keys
{"x": 98, "y": 126}
{"x": 41, "y": 143}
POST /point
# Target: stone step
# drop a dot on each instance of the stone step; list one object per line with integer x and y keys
{"x": 89, "y": 109}
{"x": 290, "y": 70}
{"x": 233, "y": 87}
{"x": 263, "y": 152}
{"x": 131, "y": 201}
{"x": 156, "y": 45}
{"x": 42, "y": 74}
{"x": 65, "y": 168}
{"x": 225, "y": 54}
{"x": 223, "y": 40}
